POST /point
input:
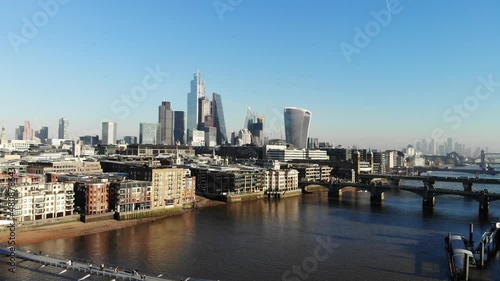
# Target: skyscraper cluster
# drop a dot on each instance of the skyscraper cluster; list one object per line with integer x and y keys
{"x": 204, "y": 115}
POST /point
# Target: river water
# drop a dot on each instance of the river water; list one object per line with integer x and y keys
{"x": 309, "y": 237}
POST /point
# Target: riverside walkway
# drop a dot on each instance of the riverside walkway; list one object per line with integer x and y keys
{"x": 85, "y": 268}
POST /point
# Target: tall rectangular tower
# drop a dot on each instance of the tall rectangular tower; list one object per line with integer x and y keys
{"x": 197, "y": 91}
{"x": 108, "y": 133}
{"x": 63, "y": 128}
{"x": 166, "y": 120}
{"x": 180, "y": 127}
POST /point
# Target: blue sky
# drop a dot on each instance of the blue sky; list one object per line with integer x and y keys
{"x": 401, "y": 85}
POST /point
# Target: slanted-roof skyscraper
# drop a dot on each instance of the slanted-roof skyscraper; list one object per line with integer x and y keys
{"x": 297, "y": 122}
{"x": 218, "y": 117}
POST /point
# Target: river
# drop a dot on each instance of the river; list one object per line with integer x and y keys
{"x": 309, "y": 237}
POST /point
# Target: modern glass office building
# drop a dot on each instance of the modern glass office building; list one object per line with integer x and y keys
{"x": 218, "y": 115}
{"x": 197, "y": 91}
{"x": 149, "y": 133}
{"x": 297, "y": 122}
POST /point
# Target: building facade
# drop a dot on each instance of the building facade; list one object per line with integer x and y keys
{"x": 166, "y": 120}
{"x": 108, "y": 133}
{"x": 180, "y": 127}
{"x": 63, "y": 131}
{"x": 149, "y": 133}
{"x": 218, "y": 116}
{"x": 297, "y": 122}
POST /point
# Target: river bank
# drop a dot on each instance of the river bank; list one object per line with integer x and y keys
{"x": 35, "y": 234}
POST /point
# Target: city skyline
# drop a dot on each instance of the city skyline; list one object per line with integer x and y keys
{"x": 428, "y": 70}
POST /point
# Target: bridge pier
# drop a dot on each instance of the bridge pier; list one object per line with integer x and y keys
{"x": 484, "y": 208}
{"x": 429, "y": 200}
{"x": 467, "y": 186}
{"x": 335, "y": 193}
{"x": 377, "y": 197}
{"x": 484, "y": 203}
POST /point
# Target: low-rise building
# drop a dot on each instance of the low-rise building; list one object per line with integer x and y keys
{"x": 92, "y": 196}
{"x": 36, "y": 200}
{"x": 130, "y": 195}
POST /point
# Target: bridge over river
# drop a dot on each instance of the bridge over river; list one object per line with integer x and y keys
{"x": 378, "y": 184}
{"x": 87, "y": 269}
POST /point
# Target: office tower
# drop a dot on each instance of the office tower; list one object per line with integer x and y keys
{"x": 19, "y": 133}
{"x": 197, "y": 91}
{"x": 297, "y": 122}
{"x": 90, "y": 140}
{"x": 63, "y": 128}
{"x": 130, "y": 139}
{"x": 3, "y": 137}
{"x": 43, "y": 134}
{"x": 108, "y": 133}
{"x": 204, "y": 113}
{"x": 449, "y": 146}
{"x": 218, "y": 118}
{"x": 27, "y": 132}
{"x": 166, "y": 120}
{"x": 180, "y": 124}
{"x": 149, "y": 133}
{"x": 211, "y": 134}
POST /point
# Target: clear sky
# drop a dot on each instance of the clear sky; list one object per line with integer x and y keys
{"x": 400, "y": 80}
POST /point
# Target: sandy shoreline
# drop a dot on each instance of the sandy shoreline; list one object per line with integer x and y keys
{"x": 42, "y": 233}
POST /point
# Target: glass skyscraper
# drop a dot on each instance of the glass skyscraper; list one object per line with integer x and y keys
{"x": 166, "y": 120}
{"x": 180, "y": 127}
{"x": 197, "y": 91}
{"x": 63, "y": 132}
{"x": 218, "y": 117}
{"x": 149, "y": 133}
{"x": 297, "y": 122}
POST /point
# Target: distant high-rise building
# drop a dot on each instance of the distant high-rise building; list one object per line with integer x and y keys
{"x": 180, "y": 124}
{"x": 255, "y": 125}
{"x": 204, "y": 113}
{"x": 90, "y": 140}
{"x": 130, "y": 139}
{"x": 43, "y": 134}
{"x": 197, "y": 91}
{"x": 19, "y": 133}
{"x": 449, "y": 146}
{"x": 63, "y": 132}
{"x": 3, "y": 137}
{"x": 211, "y": 134}
{"x": 297, "y": 122}
{"x": 108, "y": 133}
{"x": 166, "y": 120}
{"x": 28, "y": 132}
{"x": 149, "y": 133}
{"x": 218, "y": 117}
